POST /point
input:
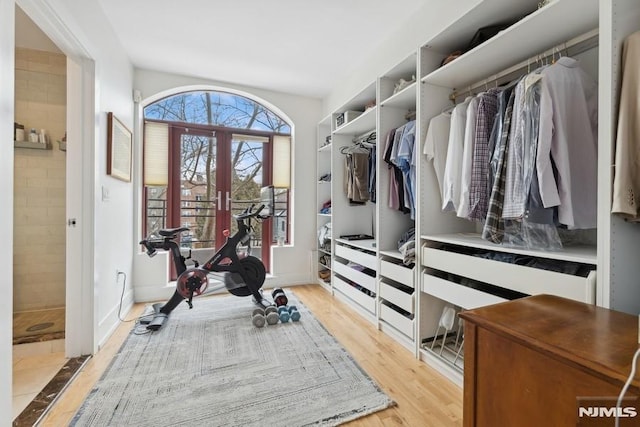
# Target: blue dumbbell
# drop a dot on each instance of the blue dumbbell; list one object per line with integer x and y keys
{"x": 284, "y": 314}
{"x": 294, "y": 313}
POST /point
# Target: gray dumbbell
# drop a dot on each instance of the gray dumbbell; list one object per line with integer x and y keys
{"x": 258, "y": 318}
{"x": 271, "y": 313}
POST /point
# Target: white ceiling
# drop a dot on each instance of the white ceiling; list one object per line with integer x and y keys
{"x": 295, "y": 46}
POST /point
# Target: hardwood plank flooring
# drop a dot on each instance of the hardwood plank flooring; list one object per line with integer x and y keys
{"x": 423, "y": 397}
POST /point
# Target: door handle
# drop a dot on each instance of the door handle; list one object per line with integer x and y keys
{"x": 218, "y": 199}
{"x": 228, "y": 202}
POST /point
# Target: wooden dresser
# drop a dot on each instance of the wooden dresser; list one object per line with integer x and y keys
{"x": 528, "y": 361}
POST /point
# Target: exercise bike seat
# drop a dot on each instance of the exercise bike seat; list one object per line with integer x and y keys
{"x": 169, "y": 232}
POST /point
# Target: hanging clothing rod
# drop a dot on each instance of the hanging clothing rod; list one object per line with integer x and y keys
{"x": 366, "y": 137}
{"x": 411, "y": 115}
{"x": 571, "y": 47}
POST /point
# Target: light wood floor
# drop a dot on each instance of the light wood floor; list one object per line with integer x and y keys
{"x": 423, "y": 396}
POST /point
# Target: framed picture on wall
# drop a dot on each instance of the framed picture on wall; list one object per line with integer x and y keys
{"x": 119, "y": 142}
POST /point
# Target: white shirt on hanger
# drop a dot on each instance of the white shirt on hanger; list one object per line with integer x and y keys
{"x": 568, "y": 134}
{"x": 453, "y": 166}
{"x": 435, "y": 145}
{"x": 467, "y": 157}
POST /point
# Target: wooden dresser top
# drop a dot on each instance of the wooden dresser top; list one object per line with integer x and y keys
{"x": 592, "y": 338}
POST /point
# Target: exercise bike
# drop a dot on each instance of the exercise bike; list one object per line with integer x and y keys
{"x": 241, "y": 275}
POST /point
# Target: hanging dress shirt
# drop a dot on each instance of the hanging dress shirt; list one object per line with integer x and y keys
{"x": 467, "y": 157}
{"x": 478, "y": 193}
{"x": 568, "y": 135}
{"x": 435, "y": 145}
{"x": 453, "y": 166}
{"x": 496, "y": 134}
{"x": 626, "y": 184}
{"x": 494, "y": 224}
{"x": 394, "y": 201}
{"x": 535, "y": 210}
{"x": 404, "y": 159}
{"x": 515, "y": 193}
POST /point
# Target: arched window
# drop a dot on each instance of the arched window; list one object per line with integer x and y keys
{"x": 207, "y": 154}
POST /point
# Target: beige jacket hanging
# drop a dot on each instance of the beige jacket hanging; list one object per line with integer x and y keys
{"x": 626, "y": 184}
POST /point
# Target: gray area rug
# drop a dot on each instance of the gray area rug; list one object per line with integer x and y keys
{"x": 211, "y": 367}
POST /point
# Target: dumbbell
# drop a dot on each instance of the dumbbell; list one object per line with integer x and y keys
{"x": 283, "y": 313}
{"x": 279, "y": 297}
{"x": 257, "y": 318}
{"x": 271, "y": 313}
{"x": 261, "y": 316}
{"x": 294, "y": 313}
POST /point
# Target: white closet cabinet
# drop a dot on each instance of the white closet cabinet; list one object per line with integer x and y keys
{"x": 415, "y": 306}
{"x": 396, "y": 281}
{"x": 323, "y": 197}
{"x": 353, "y": 262}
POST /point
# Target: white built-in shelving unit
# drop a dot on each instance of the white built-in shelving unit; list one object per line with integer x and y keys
{"x": 409, "y": 303}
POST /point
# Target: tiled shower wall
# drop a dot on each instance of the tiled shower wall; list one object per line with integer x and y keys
{"x": 39, "y": 183}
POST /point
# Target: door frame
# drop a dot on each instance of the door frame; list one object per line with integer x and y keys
{"x": 82, "y": 123}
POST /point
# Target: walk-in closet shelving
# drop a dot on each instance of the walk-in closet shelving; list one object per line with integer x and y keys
{"x": 447, "y": 275}
{"x": 451, "y": 277}
{"x": 396, "y": 281}
{"x": 323, "y": 201}
{"x": 355, "y": 261}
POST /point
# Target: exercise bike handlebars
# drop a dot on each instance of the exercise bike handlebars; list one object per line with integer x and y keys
{"x": 249, "y": 213}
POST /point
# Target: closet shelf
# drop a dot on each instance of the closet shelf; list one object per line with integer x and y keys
{"x": 325, "y": 215}
{"x": 392, "y": 254}
{"x": 406, "y": 98}
{"x": 582, "y": 254}
{"x": 535, "y": 33}
{"x": 326, "y": 148}
{"x": 361, "y": 124}
{"x": 369, "y": 244}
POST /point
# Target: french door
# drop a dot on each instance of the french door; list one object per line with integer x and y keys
{"x": 215, "y": 174}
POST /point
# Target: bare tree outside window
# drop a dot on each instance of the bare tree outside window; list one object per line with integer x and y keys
{"x": 199, "y": 163}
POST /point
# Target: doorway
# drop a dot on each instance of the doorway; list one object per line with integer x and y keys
{"x": 39, "y": 186}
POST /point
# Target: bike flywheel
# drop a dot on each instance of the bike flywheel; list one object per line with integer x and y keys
{"x": 192, "y": 280}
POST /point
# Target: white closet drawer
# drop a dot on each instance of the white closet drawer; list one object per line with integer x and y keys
{"x": 527, "y": 280}
{"x": 357, "y": 256}
{"x": 359, "y": 297}
{"x": 462, "y": 296}
{"x": 399, "y": 273}
{"x": 397, "y": 320}
{"x": 397, "y": 297}
{"x": 356, "y": 276}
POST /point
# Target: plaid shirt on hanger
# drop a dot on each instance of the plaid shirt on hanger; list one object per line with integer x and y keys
{"x": 494, "y": 224}
{"x": 478, "y": 197}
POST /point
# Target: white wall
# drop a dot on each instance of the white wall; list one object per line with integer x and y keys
{"x": 6, "y": 205}
{"x": 408, "y": 37}
{"x": 290, "y": 264}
